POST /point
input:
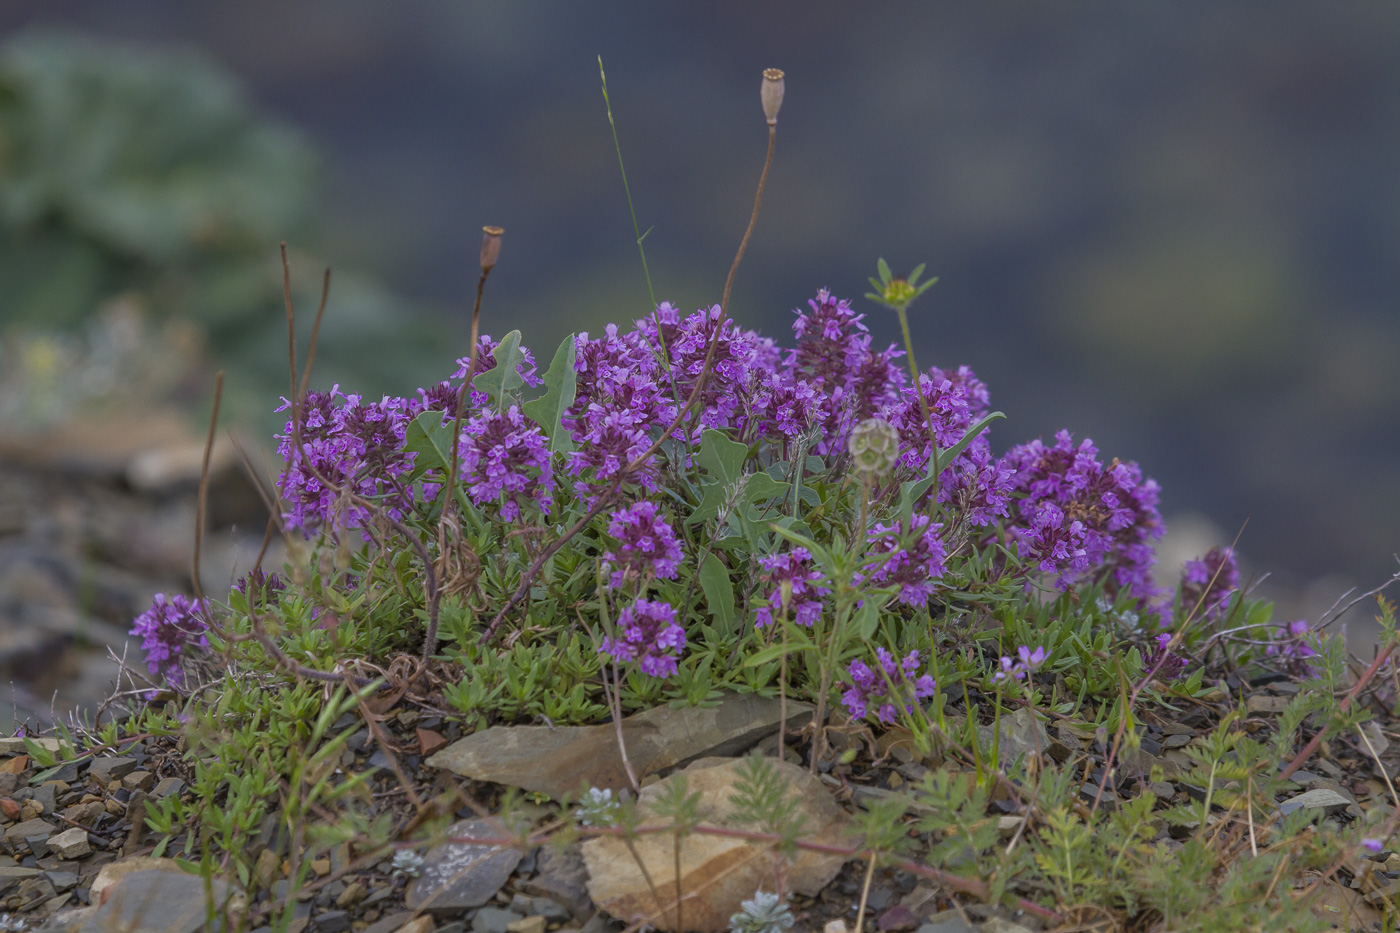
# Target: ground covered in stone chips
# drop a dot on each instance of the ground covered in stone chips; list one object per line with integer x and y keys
{"x": 78, "y": 857}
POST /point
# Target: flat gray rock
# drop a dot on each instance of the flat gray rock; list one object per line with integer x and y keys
{"x": 1021, "y": 733}
{"x": 111, "y": 769}
{"x": 564, "y": 759}
{"x": 1321, "y": 798}
{"x": 29, "y": 829}
{"x": 158, "y": 901}
{"x": 563, "y": 878}
{"x": 457, "y": 875}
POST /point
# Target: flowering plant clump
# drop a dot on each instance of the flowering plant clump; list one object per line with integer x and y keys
{"x": 736, "y": 498}
{"x": 683, "y": 508}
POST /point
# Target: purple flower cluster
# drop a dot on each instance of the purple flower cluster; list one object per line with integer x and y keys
{"x": 259, "y": 588}
{"x": 1294, "y": 644}
{"x": 915, "y": 568}
{"x": 647, "y": 547}
{"x": 893, "y": 683}
{"x": 1026, "y": 663}
{"x": 1074, "y": 514}
{"x": 505, "y": 462}
{"x": 797, "y": 569}
{"x": 1207, "y": 584}
{"x": 1167, "y": 663}
{"x": 835, "y": 357}
{"x": 650, "y": 636}
{"x": 170, "y": 628}
{"x": 620, "y": 397}
{"x": 739, "y": 356}
{"x": 348, "y": 447}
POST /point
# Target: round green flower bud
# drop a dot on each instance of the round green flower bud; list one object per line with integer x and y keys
{"x": 874, "y": 447}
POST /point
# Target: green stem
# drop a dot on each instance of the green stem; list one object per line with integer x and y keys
{"x": 923, "y": 402}
{"x": 636, "y": 229}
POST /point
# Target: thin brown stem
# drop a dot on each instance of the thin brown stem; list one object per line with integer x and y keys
{"x": 1342, "y": 707}
{"x": 865, "y": 892}
{"x": 695, "y": 396}
{"x": 202, "y": 503}
{"x": 315, "y": 334}
{"x": 603, "y": 501}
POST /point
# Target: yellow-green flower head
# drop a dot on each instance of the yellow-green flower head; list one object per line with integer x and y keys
{"x": 874, "y": 447}
{"x": 899, "y": 292}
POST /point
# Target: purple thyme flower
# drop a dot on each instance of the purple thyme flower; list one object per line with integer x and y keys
{"x": 1209, "y": 583}
{"x": 611, "y": 443}
{"x": 737, "y": 353}
{"x": 893, "y": 682}
{"x": 1374, "y": 846}
{"x": 169, "y": 629}
{"x": 834, "y": 356}
{"x": 1293, "y": 644}
{"x": 796, "y": 568}
{"x": 978, "y": 484}
{"x": 915, "y": 568}
{"x": 1169, "y": 664}
{"x": 1017, "y": 670}
{"x": 949, "y": 412}
{"x": 784, "y": 408}
{"x": 650, "y": 635}
{"x": 505, "y": 461}
{"x": 647, "y": 546}
{"x": 1113, "y": 507}
{"x": 347, "y": 447}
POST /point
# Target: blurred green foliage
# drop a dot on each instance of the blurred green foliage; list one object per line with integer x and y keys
{"x": 139, "y": 171}
{"x": 146, "y": 178}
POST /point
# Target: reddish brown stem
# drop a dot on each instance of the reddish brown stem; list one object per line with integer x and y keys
{"x": 1342, "y": 707}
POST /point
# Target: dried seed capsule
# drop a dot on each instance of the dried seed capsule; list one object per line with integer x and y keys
{"x": 772, "y": 94}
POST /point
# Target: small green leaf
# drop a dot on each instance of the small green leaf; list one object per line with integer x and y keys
{"x": 503, "y": 380}
{"x": 560, "y": 387}
{"x": 945, "y": 457}
{"x": 771, "y": 653}
{"x": 719, "y": 592}
{"x": 430, "y": 437}
{"x": 42, "y": 756}
{"x": 722, "y": 458}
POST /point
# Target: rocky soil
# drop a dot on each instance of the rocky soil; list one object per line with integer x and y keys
{"x": 95, "y": 518}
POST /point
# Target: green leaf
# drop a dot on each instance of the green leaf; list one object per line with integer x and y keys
{"x": 722, "y": 458}
{"x": 504, "y": 380}
{"x": 42, "y": 756}
{"x": 430, "y": 437}
{"x": 760, "y": 487}
{"x": 885, "y": 275}
{"x": 945, "y": 457}
{"x": 723, "y": 461}
{"x": 560, "y": 387}
{"x": 910, "y": 492}
{"x": 719, "y": 592}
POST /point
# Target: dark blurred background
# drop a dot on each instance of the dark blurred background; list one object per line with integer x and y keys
{"x": 1174, "y": 231}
